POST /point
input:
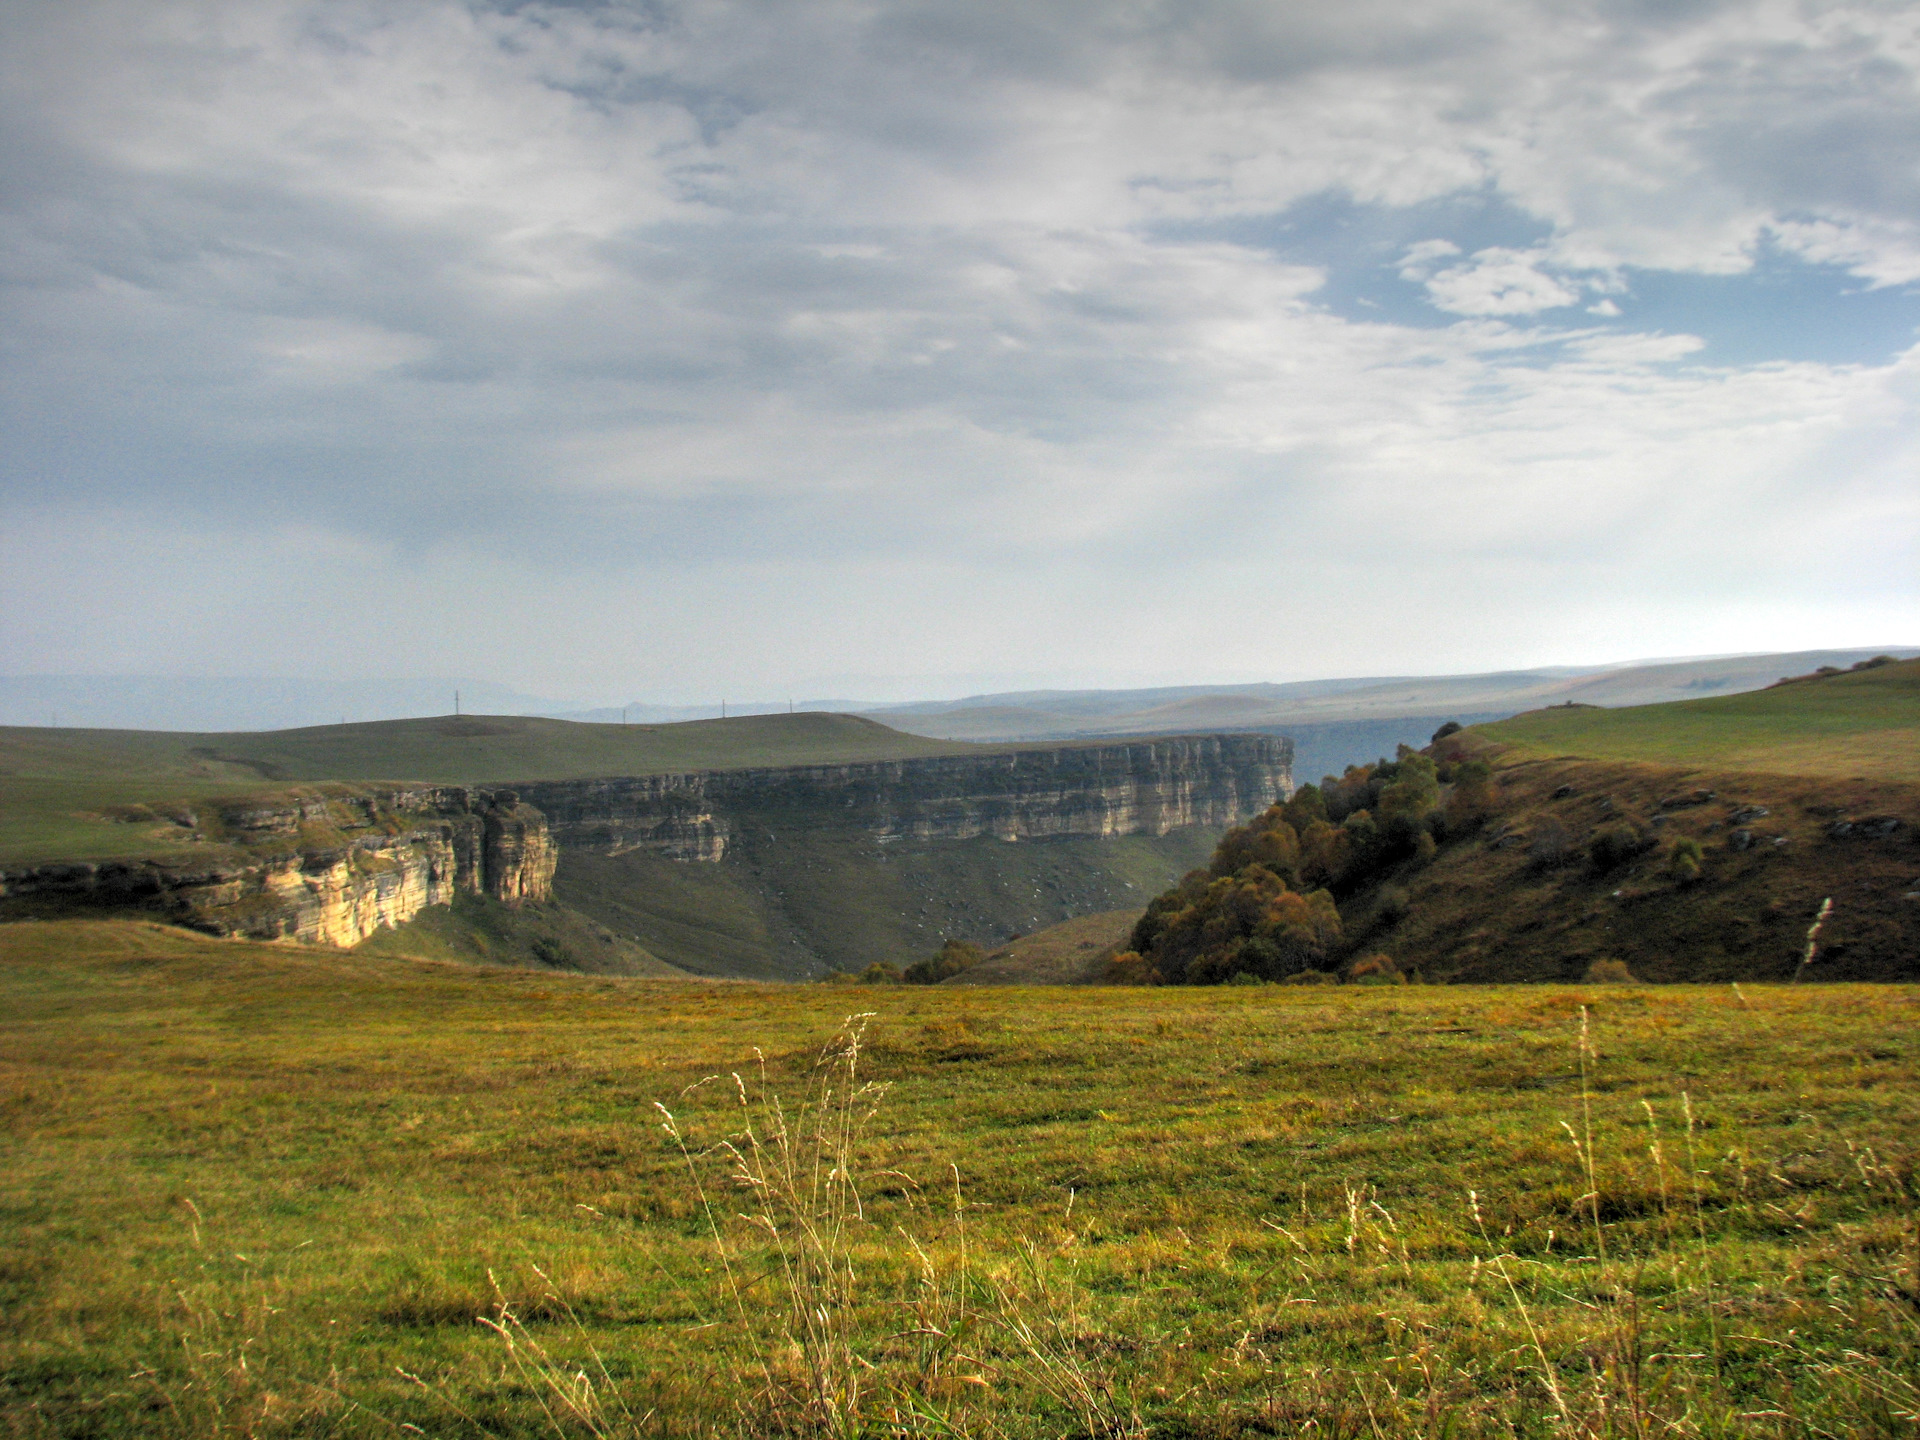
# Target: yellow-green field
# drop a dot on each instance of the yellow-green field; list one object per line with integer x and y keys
{"x": 1861, "y": 723}
{"x": 252, "y": 1190}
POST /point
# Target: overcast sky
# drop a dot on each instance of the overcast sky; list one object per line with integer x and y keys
{"x": 908, "y": 349}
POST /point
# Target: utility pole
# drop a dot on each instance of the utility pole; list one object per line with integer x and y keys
{"x": 456, "y": 702}
{"x": 723, "y": 709}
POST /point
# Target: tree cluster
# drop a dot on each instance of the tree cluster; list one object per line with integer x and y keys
{"x": 1267, "y": 905}
{"x": 950, "y": 959}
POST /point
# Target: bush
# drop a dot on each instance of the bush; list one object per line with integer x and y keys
{"x": 1128, "y": 968}
{"x": 1613, "y": 845}
{"x": 952, "y": 958}
{"x": 1452, "y": 727}
{"x": 1610, "y": 972}
{"x": 1393, "y": 906}
{"x": 1375, "y": 970}
{"x": 551, "y": 952}
{"x": 1244, "y": 977}
{"x": 1684, "y": 859}
{"x": 1309, "y": 977}
{"x": 1550, "y": 845}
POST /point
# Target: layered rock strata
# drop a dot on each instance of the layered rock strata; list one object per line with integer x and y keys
{"x": 327, "y": 870}
{"x": 1137, "y": 788}
{"x": 334, "y": 868}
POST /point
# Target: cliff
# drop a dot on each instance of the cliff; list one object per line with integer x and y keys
{"x": 825, "y": 863}
{"x": 328, "y": 869}
{"x": 1138, "y": 788}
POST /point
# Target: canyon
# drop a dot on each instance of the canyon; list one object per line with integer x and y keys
{"x": 771, "y": 871}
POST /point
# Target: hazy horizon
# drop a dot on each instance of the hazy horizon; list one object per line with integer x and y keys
{"x": 236, "y": 702}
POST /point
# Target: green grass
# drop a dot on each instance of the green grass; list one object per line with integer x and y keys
{"x": 54, "y": 784}
{"x": 1864, "y": 723}
{"x": 244, "y": 1186}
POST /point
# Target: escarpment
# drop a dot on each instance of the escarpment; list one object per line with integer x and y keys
{"x": 336, "y": 864}
{"x": 325, "y": 869}
{"x": 1139, "y": 788}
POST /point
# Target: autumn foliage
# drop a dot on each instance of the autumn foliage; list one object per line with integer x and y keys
{"x": 1267, "y": 905}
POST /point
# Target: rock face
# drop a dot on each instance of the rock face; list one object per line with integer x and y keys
{"x": 333, "y": 868}
{"x": 349, "y": 865}
{"x": 1139, "y": 788}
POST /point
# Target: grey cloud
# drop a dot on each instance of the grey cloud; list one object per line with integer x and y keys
{"x": 636, "y": 292}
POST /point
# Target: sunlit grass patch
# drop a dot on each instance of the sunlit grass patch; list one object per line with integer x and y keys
{"x": 267, "y": 1181}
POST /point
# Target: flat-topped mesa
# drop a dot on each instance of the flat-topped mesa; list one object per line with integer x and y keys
{"x": 1146, "y": 787}
{"x": 327, "y": 869}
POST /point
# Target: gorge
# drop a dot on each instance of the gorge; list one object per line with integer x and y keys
{"x": 772, "y": 871}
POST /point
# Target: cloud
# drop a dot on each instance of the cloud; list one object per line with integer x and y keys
{"x": 635, "y": 322}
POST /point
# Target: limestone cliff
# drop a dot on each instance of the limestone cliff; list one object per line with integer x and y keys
{"x": 335, "y": 864}
{"x": 1139, "y": 788}
{"x": 328, "y": 869}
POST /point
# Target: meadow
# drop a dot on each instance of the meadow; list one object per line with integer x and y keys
{"x": 257, "y": 1190}
{"x": 1858, "y": 724}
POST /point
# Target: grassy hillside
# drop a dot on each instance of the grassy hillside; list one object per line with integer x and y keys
{"x": 1686, "y": 842}
{"x": 254, "y": 1190}
{"x": 1070, "y": 953}
{"x": 1861, "y": 723}
{"x": 815, "y": 899}
{"x": 55, "y": 783}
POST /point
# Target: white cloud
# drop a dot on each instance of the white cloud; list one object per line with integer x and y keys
{"x": 633, "y": 326}
{"x": 1499, "y": 282}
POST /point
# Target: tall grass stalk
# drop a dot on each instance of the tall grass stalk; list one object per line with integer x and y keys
{"x": 795, "y": 1173}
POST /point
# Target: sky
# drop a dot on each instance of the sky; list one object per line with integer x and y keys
{"x": 664, "y": 351}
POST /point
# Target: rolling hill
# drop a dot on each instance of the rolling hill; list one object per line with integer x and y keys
{"x": 1692, "y": 841}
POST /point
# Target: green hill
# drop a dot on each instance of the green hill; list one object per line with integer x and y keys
{"x": 1862, "y": 723}
{"x": 1687, "y": 841}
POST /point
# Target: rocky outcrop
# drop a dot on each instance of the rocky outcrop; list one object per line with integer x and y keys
{"x": 328, "y": 869}
{"x": 1140, "y": 788}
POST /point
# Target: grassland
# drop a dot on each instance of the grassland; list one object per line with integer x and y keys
{"x": 1863, "y": 724}
{"x": 251, "y": 1190}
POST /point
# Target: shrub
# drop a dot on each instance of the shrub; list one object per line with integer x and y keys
{"x": 880, "y": 973}
{"x": 952, "y": 958}
{"x": 1683, "y": 860}
{"x": 1393, "y": 906}
{"x": 1452, "y": 727}
{"x": 1128, "y": 968}
{"x": 1613, "y": 845}
{"x": 1245, "y": 977}
{"x": 1375, "y": 970}
{"x": 1550, "y": 845}
{"x": 1610, "y": 972}
{"x": 1309, "y": 977}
